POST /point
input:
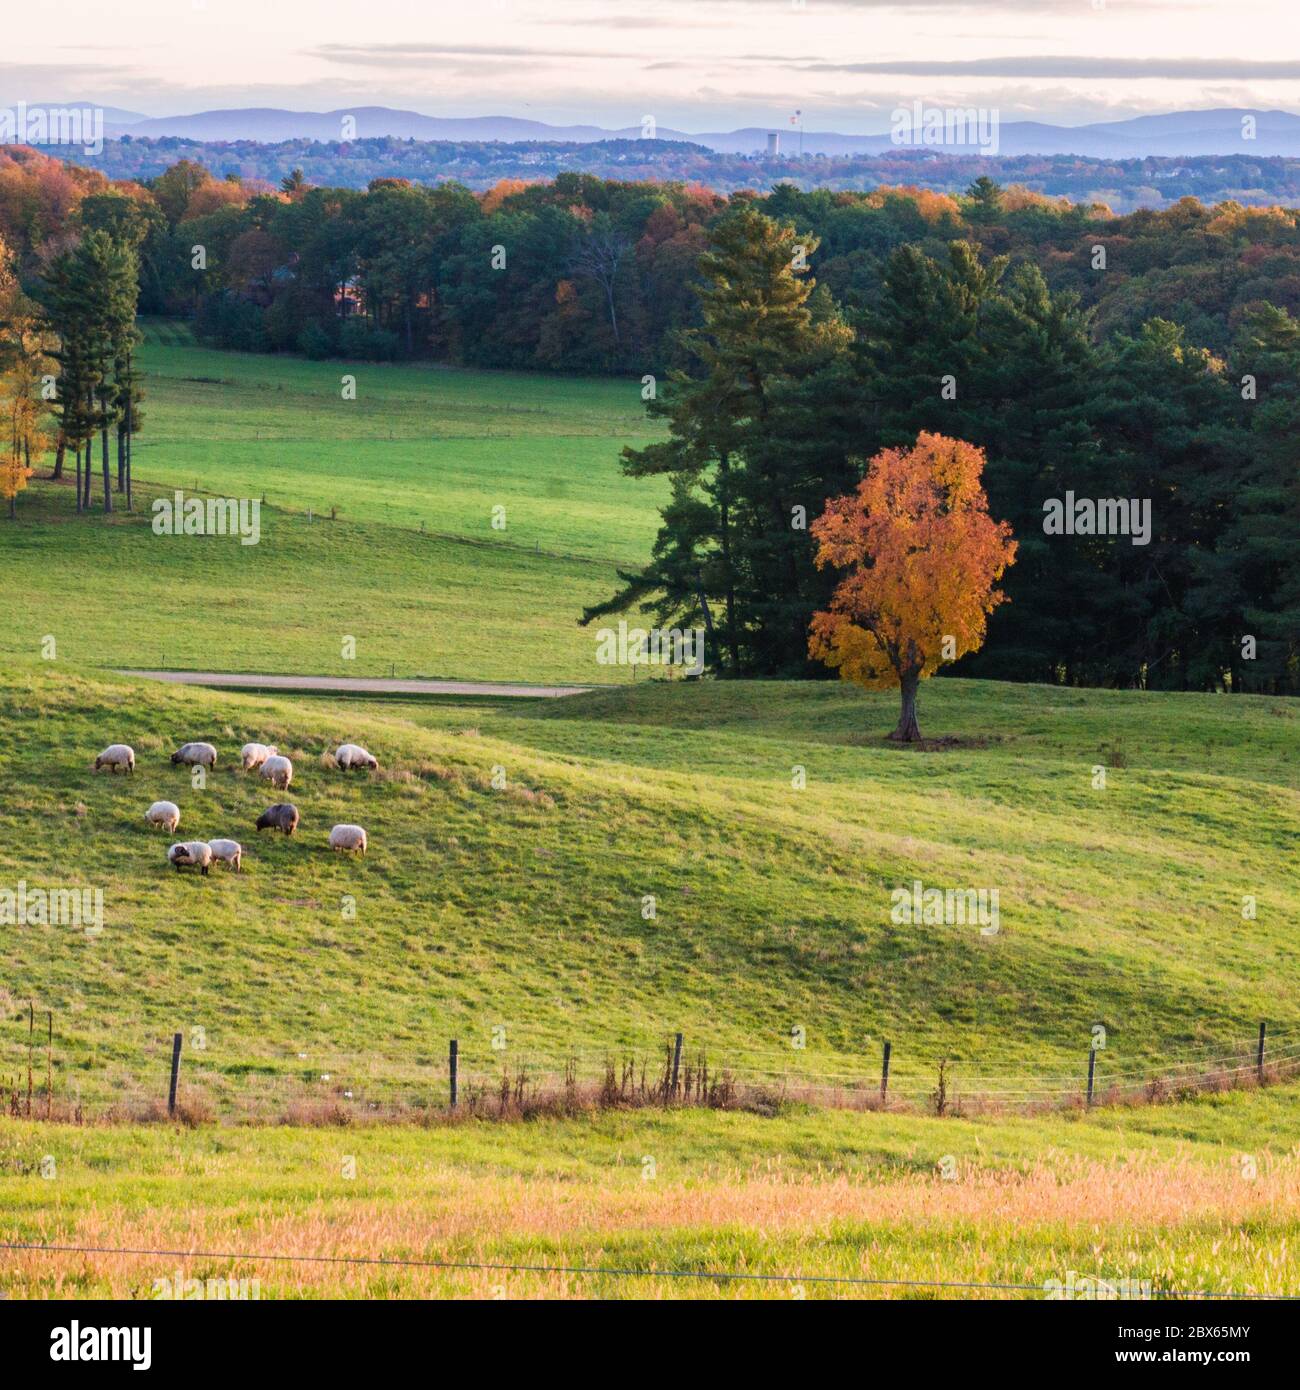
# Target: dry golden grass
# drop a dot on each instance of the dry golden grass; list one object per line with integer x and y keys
{"x": 1181, "y": 1225}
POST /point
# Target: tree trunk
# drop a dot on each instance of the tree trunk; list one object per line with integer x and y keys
{"x": 103, "y": 458}
{"x": 76, "y": 453}
{"x": 724, "y": 518}
{"x": 58, "y": 457}
{"x": 908, "y": 731}
{"x": 613, "y": 315}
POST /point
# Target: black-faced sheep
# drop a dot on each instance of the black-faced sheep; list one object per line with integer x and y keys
{"x": 348, "y": 837}
{"x": 116, "y": 755}
{"x": 282, "y": 816}
{"x": 228, "y": 852}
{"x": 194, "y": 853}
{"x": 196, "y": 754}
{"x": 164, "y": 813}
{"x": 278, "y": 770}
{"x": 352, "y": 755}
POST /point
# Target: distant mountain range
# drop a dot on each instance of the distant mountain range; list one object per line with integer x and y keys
{"x": 1178, "y": 133}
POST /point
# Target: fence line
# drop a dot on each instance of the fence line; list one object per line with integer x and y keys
{"x": 677, "y": 1071}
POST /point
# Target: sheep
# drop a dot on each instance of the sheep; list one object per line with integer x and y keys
{"x": 281, "y": 816}
{"x": 348, "y": 837}
{"x": 253, "y": 755}
{"x": 229, "y": 852}
{"x": 278, "y": 770}
{"x": 164, "y": 813}
{"x": 204, "y": 754}
{"x": 353, "y": 755}
{"x": 116, "y": 755}
{"x": 193, "y": 852}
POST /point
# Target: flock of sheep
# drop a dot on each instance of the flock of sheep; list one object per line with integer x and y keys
{"x": 254, "y": 757}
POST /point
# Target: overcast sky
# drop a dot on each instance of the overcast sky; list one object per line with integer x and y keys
{"x": 693, "y": 64}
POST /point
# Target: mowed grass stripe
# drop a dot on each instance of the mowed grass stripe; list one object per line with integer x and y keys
{"x": 418, "y": 445}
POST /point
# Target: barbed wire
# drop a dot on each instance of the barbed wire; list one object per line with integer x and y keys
{"x": 539, "y": 1073}
{"x": 613, "y": 1271}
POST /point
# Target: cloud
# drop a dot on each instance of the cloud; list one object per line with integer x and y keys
{"x": 1141, "y": 69}
{"x": 400, "y": 55}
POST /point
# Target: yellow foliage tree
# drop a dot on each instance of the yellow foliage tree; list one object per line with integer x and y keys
{"x": 24, "y": 357}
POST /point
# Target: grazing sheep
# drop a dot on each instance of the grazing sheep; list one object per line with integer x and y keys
{"x": 253, "y": 755}
{"x": 204, "y": 754}
{"x": 281, "y": 816}
{"x": 348, "y": 837}
{"x": 164, "y": 813}
{"x": 116, "y": 755}
{"x": 229, "y": 852}
{"x": 353, "y": 755}
{"x": 192, "y": 852}
{"x": 278, "y": 770}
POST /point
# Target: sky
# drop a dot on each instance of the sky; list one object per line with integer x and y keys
{"x": 694, "y": 65}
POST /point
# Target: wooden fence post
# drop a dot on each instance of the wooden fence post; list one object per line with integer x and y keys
{"x": 677, "y": 1062}
{"x": 176, "y": 1073}
{"x": 1259, "y": 1056}
{"x": 453, "y": 1067}
{"x": 1092, "y": 1071}
{"x": 884, "y": 1074}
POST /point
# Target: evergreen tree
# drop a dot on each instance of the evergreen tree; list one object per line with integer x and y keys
{"x": 91, "y": 296}
{"x": 730, "y": 539}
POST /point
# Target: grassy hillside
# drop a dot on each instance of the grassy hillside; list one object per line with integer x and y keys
{"x": 113, "y": 594}
{"x": 419, "y": 447}
{"x": 1201, "y": 1196}
{"x": 522, "y": 908}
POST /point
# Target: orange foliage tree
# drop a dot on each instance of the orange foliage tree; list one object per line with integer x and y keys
{"x": 499, "y": 192}
{"x": 921, "y": 556}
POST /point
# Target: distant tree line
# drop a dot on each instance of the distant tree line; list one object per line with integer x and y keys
{"x": 1123, "y": 184}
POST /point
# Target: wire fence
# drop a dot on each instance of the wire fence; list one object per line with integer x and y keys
{"x": 189, "y": 1081}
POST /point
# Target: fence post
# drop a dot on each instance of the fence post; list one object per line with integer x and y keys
{"x": 1259, "y": 1057}
{"x": 1092, "y": 1071}
{"x": 677, "y": 1062}
{"x": 176, "y": 1073}
{"x": 884, "y": 1074}
{"x": 453, "y": 1060}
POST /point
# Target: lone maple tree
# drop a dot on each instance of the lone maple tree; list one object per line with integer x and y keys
{"x": 922, "y": 556}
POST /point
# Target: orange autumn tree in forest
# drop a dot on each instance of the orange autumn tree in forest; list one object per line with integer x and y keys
{"x": 921, "y": 556}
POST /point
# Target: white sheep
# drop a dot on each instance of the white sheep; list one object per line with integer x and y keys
{"x": 229, "y": 852}
{"x": 278, "y": 770}
{"x": 193, "y": 852}
{"x": 348, "y": 837}
{"x": 253, "y": 755}
{"x": 352, "y": 755}
{"x": 200, "y": 754}
{"x": 164, "y": 813}
{"x": 116, "y": 755}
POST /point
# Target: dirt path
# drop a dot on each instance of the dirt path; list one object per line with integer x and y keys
{"x": 362, "y": 685}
